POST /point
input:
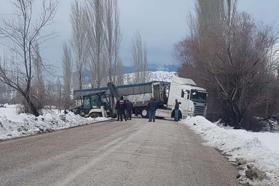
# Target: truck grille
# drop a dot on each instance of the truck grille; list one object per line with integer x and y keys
{"x": 199, "y": 110}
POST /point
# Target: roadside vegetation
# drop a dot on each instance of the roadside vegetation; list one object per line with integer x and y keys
{"x": 236, "y": 59}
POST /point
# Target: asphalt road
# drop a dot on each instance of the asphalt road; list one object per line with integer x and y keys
{"x": 114, "y": 153}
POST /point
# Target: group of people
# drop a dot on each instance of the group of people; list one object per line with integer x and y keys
{"x": 124, "y": 109}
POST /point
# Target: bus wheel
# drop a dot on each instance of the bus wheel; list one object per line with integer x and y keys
{"x": 144, "y": 113}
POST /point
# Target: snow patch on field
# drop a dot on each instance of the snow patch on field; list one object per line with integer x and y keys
{"x": 256, "y": 154}
{"x": 153, "y": 76}
{"x": 13, "y": 125}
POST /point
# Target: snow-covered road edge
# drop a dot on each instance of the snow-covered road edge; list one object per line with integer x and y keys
{"x": 14, "y": 125}
{"x": 245, "y": 149}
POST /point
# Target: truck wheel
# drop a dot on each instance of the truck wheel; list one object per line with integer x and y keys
{"x": 144, "y": 113}
{"x": 95, "y": 115}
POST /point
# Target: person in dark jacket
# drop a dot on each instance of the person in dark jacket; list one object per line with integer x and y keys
{"x": 152, "y": 107}
{"x": 121, "y": 107}
{"x": 129, "y": 109}
{"x": 177, "y": 113}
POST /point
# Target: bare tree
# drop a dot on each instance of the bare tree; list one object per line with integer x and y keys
{"x": 145, "y": 72}
{"x": 67, "y": 76}
{"x": 38, "y": 87}
{"x": 139, "y": 57}
{"x": 79, "y": 43}
{"x": 119, "y": 73}
{"x": 4, "y": 94}
{"x": 210, "y": 15}
{"x": 58, "y": 91}
{"x": 53, "y": 91}
{"x": 112, "y": 38}
{"x": 96, "y": 36}
{"x": 109, "y": 24}
{"x": 118, "y": 65}
{"x": 22, "y": 32}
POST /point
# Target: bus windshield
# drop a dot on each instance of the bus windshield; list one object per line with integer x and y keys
{"x": 197, "y": 96}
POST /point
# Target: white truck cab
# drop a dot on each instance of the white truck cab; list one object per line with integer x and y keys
{"x": 191, "y": 97}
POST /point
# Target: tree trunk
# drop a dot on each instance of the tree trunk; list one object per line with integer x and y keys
{"x": 31, "y": 106}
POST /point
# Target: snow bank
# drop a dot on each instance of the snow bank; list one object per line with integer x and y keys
{"x": 14, "y": 125}
{"x": 256, "y": 154}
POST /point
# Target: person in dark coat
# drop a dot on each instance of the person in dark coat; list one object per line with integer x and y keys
{"x": 152, "y": 107}
{"x": 177, "y": 113}
{"x": 121, "y": 107}
{"x": 129, "y": 109}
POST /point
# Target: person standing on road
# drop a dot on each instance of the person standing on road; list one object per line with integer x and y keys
{"x": 120, "y": 107}
{"x": 152, "y": 107}
{"x": 129, "y": 109}
{"x": 177, "y": 111}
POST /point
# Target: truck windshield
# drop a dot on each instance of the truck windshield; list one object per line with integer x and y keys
{"x": 198, "y": 96}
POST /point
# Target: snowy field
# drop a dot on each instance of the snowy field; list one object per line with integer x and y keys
{"x": 13, "y": 125}
{"x": 255, "y": 154}
{"x": 153, "y": 76}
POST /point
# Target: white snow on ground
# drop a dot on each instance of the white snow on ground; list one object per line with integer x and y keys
{"x": 161, "y": 76}
{"x": 153, "y": 76}
{"x": 249, "y": 150}
{"x": 14, "y": 125}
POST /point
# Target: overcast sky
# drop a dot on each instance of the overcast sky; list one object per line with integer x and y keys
{"x": 162, "y": 24}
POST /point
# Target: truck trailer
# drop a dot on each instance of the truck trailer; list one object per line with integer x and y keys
{"x": 99, "y": 102}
